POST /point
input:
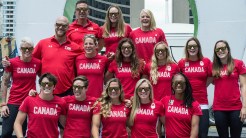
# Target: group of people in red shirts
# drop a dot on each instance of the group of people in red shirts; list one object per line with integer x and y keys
{"x": 144, "y": 88}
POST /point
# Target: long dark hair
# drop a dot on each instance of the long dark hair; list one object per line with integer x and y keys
{"x": 188, "y": 98}
{"x": 137, "y": 64}
{"x": 217, "y": 64}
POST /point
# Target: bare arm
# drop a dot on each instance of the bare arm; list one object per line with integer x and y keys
{"x": 162, "y": 118}
{"x": 209, "y": 81}
{"x": 108, "y": 76}
{"x": 242, "y": 79}
{"x": 4, "y": 89}
{"x": 96, "y": 120}
{"x": 100, "y": 44}
{"x": 62, "y": 120}
{"x": 21, "y": 116}
{"x": 194, "y": 126}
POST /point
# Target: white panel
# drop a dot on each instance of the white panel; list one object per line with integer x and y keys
{"x": 36, "y": 18}
{"x": 157, "y": 9}
{"x": 222, "y": 19}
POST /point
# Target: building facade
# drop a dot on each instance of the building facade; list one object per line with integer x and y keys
{"x": 8, "y": 17}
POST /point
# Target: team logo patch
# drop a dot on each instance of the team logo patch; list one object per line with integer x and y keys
{"x": 68, "y": 48}
{"x": 89, "y": 102}
{"x": 152, "y": 106}
{"x": 168, "y": 68}
{"x": 201, "y": 63}
{"x": 89, "y": 28}
{"x": 170, "y": 102}
{"x": 50, "y": 46}
{"x": 34, "y": 65}
{"x": 186, "y": 64}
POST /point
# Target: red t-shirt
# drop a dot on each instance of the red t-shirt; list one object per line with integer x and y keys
{"x": 43, "y": 116}
{"x": 178, "y": 118}
{"x": 197, "y": 72}
{"x": 111, "y": 42}
{"x": 165, "y": 74}
{"x": 58, "y": 60}
{"x": 146, "y": 120}
{"x": 124, "y": 74}
{"x": 93, "y": 69}
{"x": 79, "y": 117}
{"x": 23, "y": 78}
{"x": 76, "y": 32}
{"x": 145, "y": 42}
{"x": 114, "y": 126}
{"x": 227, "y": 90}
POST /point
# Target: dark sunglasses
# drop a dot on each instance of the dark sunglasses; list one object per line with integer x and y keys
{"x": 113, "y": 14}
{"x": 192, "y": 46}
{"x": 160, "y": 50}
{"x": 61, "y": 25}
{"x": 89, "y": 36}
{"x": 81, "y": 9}
{"x": 79, "y": 87}
{"x": 127, "y": 47}
{"x": 221, "y": 48}
{"x": 110, "y": 89}
{"x": 176, "y": 83}
{"x": 146, "y": 89}
{"x": 26, "y": 48}
{"x": 43, "y": 84}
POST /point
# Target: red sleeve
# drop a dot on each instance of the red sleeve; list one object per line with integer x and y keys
{"x": 111, "y": 67}
{"x": 100, "y": 33}
{"x": 24, "y": 105}
{"x": 241, "y": 67}
{"x": 181, "y": 64}
{"x": 160, "y": 108}
{"x": 146, "y": 70}
{"x": 209, "y": 64}
{"x": 196, "y": 108}
{"x": 163, "y": 37}
{"x": 37, "y": 52}
{"x": 177, "y": 69}
{"x": 63, "y": 107}
{"x": 128, "y": 30}
{"x": 96, "y": 109}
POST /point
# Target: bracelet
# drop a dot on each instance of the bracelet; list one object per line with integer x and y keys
{"x": 3, "y": 104}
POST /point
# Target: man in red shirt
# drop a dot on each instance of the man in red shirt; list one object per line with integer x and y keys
{"x": 82, "y": 25}
{"x": 58, "y": 55}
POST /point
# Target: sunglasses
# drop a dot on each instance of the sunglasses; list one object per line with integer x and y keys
{"x": 127, "y": 47}
{"x": 79, "y": 87}
{"x": 110, "y": 89}
{"x": 43, "y": 84}
{"x": 176, "y": 83}
{"x": 26, "y": 48}
{"x": 221, "y": 48}
{"x": 146, "y": 89}
{"x": 160, "y": 50}
{"x": 89, "y": 36}
{"x": 61, "y": 25}
{"x": 192, "y": 46}
{"x": 114, "y": 14}
{"x": 81, "y": 9}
